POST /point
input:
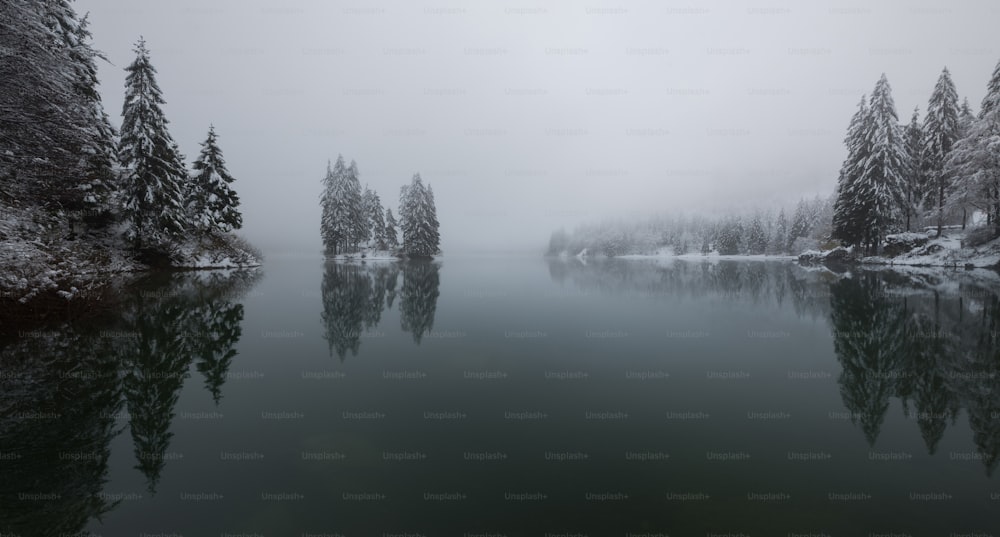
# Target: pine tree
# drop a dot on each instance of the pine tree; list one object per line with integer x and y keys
{"x": 367, "y": 203}
{"x": 391, "y": 235}
{"x": 974, "y": 162}
{"x": 376, "y": 221}
{"x": 941, "y": 131}
{"x": 914, "y": 186}
{"x": 96, "y": 180}
{"x": 992, "y": 99}
{"x": 326, "y": 203}
{"x": 432, "y": 224}
{"x": 756, "y": 237}
{"x": 965, "y": 115}
{"x": 847, "y": 222}
{"x": 881, "y": 185}
{"x": 154, "y": 170}
{"x": 334, "y": 223}
{"x": 356, "y": 219}
{"x": 212, "y": 204}
{"x": 779, "y": 241}
{"x": 420, "y": 225}
{"x": 961, "y": 195}
{"x": 58, "y": 145}
{"x": 729, "y": 238}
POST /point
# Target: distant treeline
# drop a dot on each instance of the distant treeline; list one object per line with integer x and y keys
{"x": 938, "y": 172}
{"x": 755, "y": 233}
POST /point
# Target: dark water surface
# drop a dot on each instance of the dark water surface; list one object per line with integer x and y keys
{"x": 493, "y": 396}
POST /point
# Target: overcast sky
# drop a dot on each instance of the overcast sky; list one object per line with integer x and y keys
{"x": 527, "y": 116}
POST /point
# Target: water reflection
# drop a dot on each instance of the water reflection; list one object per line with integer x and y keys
{"x": 418, "y": 299}
{"x": 925, "y": 342}
{"x": 65, "y": 388}
{"x": 355, "y": 296}
{"x": 928, "y": 339}
{"x": 58, "y": 402}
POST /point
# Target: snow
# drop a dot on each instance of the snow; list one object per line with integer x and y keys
{"x": 372, "y": 255}
{"x": 667, "y": 253}
{"x": 946, "y": 251}
{"x": 908, "y": 236}
{"x": 38, "y": 258}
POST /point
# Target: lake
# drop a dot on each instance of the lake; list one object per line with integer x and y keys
{"x": 488, "y": 396}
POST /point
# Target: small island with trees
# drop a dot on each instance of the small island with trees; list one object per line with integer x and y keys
{"x": 354, "y": 224}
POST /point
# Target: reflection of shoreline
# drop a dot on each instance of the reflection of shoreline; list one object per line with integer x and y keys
{"x": 122, "y": 370}
{"x": 925, "y": 339}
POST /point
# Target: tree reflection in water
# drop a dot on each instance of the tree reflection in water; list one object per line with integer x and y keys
{"x": 64, "y": 389}
{"x": 926, "y": 338}
{"x": 356, "y": 294}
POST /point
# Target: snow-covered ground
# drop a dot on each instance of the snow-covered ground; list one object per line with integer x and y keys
{"x": 367, "y": 255}
{"x": 709, "y": 256}
{"x": 667, "y": 252}
{"x": 224, "y": 252}
{"x": 951, "y": 250}
{"x": 946, "y": 251}
{"x": 39, "y": 256}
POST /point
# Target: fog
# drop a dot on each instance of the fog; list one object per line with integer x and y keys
{"x": 526, "y": 117}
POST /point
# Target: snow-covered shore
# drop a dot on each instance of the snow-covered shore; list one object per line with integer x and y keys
{"x": 40, "y": 257}
{"x": 951, "y": 250}
{"x": 374, "y": 255}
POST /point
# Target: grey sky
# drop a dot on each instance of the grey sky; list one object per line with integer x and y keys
{"x": 527, "y": 116}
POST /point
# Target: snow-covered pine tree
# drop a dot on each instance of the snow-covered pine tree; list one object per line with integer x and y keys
{"x": 376, "y": 221}
{"x": 992, "y": 99}
{"x": 756, "y": 237}
{"x": 729, "y": 238}
{"x": 212, "y": 204}
{"x": 941, "y": 131}
{"x": 58, "y": 146}
{"x": 326, "y": 213}
{"x": 95, "y": 179}
{"x": 433, "y": 235}
{"x": 367, "y": 201}
{"x": 961, "y": 196}
{"x": 333, "y": 227}
{"x": 914, "y": 187}
{"x": 356, "y": 219}
{"x": 391, "y": 235}
{"x": 779, "y": 241}
{"x": 882, "y": 181}
{"x": 152, "y": 193}
{"x": 974, "y": 162}
{"x": 847, "y": 223}
{"x": 420, "y": 225}
{"x": 965, "y": 115}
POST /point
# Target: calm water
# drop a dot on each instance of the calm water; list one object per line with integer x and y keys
{"x": 491, "y": 396}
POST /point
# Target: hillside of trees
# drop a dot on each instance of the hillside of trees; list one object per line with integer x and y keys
{"x": 354, "y": 223}
{"x": 79, "y": 198}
